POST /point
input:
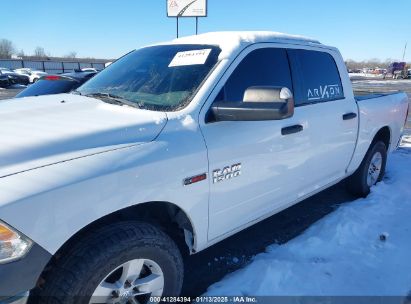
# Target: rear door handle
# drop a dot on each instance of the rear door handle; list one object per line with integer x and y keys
{"x": 349, "y": 116}
{"x": 291, "y": 129}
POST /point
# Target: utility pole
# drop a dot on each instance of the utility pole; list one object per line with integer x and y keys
{"x": 403, "y": 54}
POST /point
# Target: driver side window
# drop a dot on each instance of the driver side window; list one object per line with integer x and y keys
{"x": 262, "y": 67}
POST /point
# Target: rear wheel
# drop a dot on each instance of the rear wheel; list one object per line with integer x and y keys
{"x": 125, "y": 262}
{"x": 371, "y": 170}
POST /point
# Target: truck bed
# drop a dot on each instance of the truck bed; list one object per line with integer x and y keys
{"x": 377, "y": 110}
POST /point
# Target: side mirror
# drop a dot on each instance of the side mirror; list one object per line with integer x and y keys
{"x": 259, "y": 103}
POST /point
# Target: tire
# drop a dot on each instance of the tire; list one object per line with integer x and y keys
{"x": 95, "y": 260}
{"x": 360, "y": 182}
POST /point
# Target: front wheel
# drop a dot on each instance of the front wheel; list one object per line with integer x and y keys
{"x": 126, "y": 262}
{"x": 371, "y": 170}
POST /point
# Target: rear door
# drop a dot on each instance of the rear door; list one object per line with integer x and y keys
{"x": 330, "y": 119}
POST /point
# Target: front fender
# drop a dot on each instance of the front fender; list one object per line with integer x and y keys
{"x": 52, "y": 203}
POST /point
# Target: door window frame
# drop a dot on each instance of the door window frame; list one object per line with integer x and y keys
{"x": 265, "y": 62}
{"x": 301, "y": 78}
{"x": 231, "y": 69}
{"x": 233, "y": 63}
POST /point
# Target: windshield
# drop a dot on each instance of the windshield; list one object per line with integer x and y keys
{"x": 160, "y": 78}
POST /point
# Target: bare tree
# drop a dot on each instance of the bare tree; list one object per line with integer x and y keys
{"x": 39, "y": 52}
{"x": 71, "y": 55}
{"x": 370, "y": 63}
{"x": 6, "y": 48}
{"x": 21, "y": 53}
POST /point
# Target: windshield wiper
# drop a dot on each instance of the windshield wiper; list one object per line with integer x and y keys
{"x": 113, "y": 99}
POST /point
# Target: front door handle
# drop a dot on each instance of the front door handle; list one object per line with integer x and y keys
{"x": 349, "y": 116}
{"x": 291, "y": 129}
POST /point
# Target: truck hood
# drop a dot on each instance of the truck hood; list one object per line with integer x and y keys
{"x": 40, "y": 131}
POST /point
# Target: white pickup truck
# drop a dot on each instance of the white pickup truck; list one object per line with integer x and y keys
{"x": 171, "y": 149}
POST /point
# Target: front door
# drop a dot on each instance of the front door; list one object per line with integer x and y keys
{"x": 253, "y": 168}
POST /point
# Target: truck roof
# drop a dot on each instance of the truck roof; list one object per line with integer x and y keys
{"x": 229, "y": 42}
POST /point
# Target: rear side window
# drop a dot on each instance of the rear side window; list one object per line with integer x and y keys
{"x": 315, "y": 77}
{"x": 262, "y": 67}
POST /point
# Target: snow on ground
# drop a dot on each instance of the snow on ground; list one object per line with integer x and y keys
{"x": 382, "y": 82}
{"x": 361, "y": 249}
{"x": 355, "y": 76}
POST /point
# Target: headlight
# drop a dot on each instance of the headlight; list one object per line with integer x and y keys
{"x": 13, "y": 245}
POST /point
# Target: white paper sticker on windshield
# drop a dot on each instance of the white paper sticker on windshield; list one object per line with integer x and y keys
{"x": 190, "y": 58}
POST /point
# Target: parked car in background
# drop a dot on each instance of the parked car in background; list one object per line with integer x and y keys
{"x": 56, "y": 84}
{"x": 397, "y": 70}
{"x": 33, "y": 75}
{"x": 89, "y": 70}
{"x": 4, "y": 81}
{"x": 14, "y": 78}
{"x": 379, "y": 71}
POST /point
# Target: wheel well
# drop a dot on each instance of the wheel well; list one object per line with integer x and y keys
{"x": 384, "y": 135}
{"x": 166, "y": 216}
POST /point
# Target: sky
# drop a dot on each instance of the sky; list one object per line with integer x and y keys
{"x": 361, "y": 29}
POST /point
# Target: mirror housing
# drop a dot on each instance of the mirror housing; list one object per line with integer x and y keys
{"x": 259, "y": 103}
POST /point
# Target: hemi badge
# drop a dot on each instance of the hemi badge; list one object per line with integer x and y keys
{"x": 195, "y": 179}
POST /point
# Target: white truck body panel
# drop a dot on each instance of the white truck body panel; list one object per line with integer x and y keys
{"x": 68, "y": 167}
{"x": 70, "y": 199}
{"x": 36, "y": 132}
{"x": 280, "y": 179}
{"x": 388, "y": 111}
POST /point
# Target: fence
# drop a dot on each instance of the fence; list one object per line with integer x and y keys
{"x": 50, "y": 66}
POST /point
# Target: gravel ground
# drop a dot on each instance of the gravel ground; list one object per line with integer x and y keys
{"x": 211, "y": 265}
{"x": 10, "y": 92}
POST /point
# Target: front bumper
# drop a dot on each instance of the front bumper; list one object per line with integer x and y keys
{"x": 18, "y": 277}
